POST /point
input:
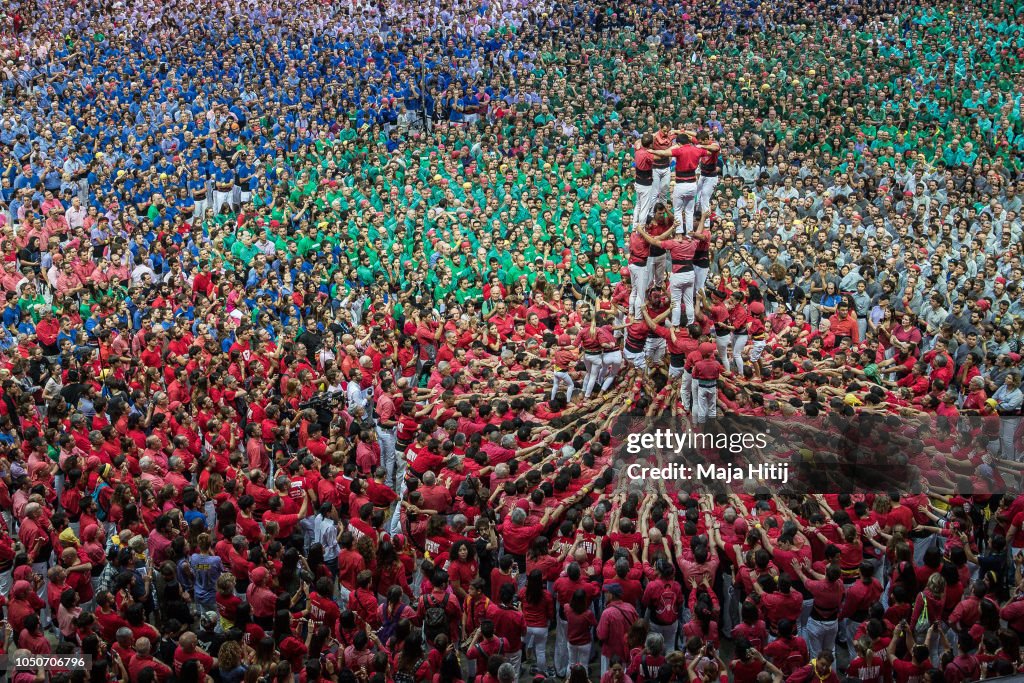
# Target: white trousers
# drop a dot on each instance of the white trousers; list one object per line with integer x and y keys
{"x": 638, "y": 296}
{"x": 655, "y": 349}
{"x": 645, "y": 198}
{"x": 821, "y": 635}
{"x": 707, "y": 403}
{"x": 738, "y": 342}
{"x": 593, "y": 362}
{"x": 199, "y": 211}
{"x": 563, "y": 377}
{"x": 684, "y": 201}
{"x": 700, "y": 277}
{"x": 222, "y": 198}
{"x": 656, "y": 266}
{"x": 388, "y": 439}
{"x": 662, "y": 183}
{"x": 637, "y": 360}
{"x": 680, "y": 290}
{"x": 611, "y": 363}
{"x": 705, "y": 189}
{"x": 1007, "y": 429}
{"x": 724, "y": 344}
{"x": 756, "y": 349}
{"x": 537, "y": 640}
{"x": 561, "y": 648}
{"x": 579, "y": 654}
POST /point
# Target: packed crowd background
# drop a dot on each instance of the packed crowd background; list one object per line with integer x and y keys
{"x": 321, "y": 321}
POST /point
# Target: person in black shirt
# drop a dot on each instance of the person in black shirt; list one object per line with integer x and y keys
{"x": 791, "y": 295}
{"x": 312, "y": 339}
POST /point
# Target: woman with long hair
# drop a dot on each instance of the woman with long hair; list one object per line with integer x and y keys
{"x": 580, "y": 625}
{"x": 929, "y": 605}
{"x": 391, "y": 613}
{"x": 462, "y": 567}
{"x": 390, "y": 572}
{"x": 538, "y": 608}
{"x": 412, "y": 662}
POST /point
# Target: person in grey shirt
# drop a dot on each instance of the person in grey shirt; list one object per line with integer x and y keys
{"x": 861, "y": 307}
{"x": 325, "y": 532}
{"x": 933, "y": 314}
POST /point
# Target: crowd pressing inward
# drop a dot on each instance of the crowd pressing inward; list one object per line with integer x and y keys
{"x": 319, "y": 316}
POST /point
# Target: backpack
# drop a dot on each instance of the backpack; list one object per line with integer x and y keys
{"x": 387, "y": 628}
{"x": 483, "y": 653}
{"x": 408, "y": 676}
{"x": 665, "y": 611}
{"x": 435, "y": 618}
{"x": 647, "y": 672}
{"x": 923, "y": 622}
{"x": 101, "y": 514}
{"x": 794, "y": 660}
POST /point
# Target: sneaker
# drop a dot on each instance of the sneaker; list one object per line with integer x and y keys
{"x": 550, "y": 672}
{"x": 534, "y": 670}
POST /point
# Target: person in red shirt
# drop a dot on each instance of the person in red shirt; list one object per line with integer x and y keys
{"x": 538, "y": 607}
{"x": 965, "y": 666}
{"x": 440, "y": 596}
{"x": 663, "y": 599}
{"x": 485, "y": 644}
{"x": 818, "y": 671}
{"x": 867, "y": 666}
{"x": 706, "y": 372}
{"x": 261, "y": 598}
{"x": 187, "y": 650}
{"x": 363, "y": 601}
{"x": 788, "y": 651}
{"x": 509, "y": 624}
{"x": 827, "y": 598}
{"x": 646, "y": 192}
{"x": 616, "y": 619}
{"x": 860, "y": 596}
{"x": 518, "y": 534}
{"x": 592, "y": 339}
{"x": 639, "y": 273}
{"x": 579, "y": 629}
{"x": 681, "y": 250}
{"x": 739, "y": 321}
{"x": 904, "y": 671}
{"x": 844, "y": 323}
{"x": 144, "y": 659}
{"x": 684, "y": 195}
{"x": 387, "y": 430}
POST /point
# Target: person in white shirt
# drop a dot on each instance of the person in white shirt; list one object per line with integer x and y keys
{"x": 75, "y": 215}
{"x": 1009, "y": 399}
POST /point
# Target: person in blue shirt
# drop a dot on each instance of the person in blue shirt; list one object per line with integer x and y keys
{"x": 223, "y": 186}
{"x": 12, "y": 312}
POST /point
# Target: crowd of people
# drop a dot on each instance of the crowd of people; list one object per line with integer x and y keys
{"x": 325, "y": 324}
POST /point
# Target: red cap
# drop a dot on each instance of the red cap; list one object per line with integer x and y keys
{"x": 706, "y": 349}
{"x": 983, "y": 304}
{"x": 624, "y": 272}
